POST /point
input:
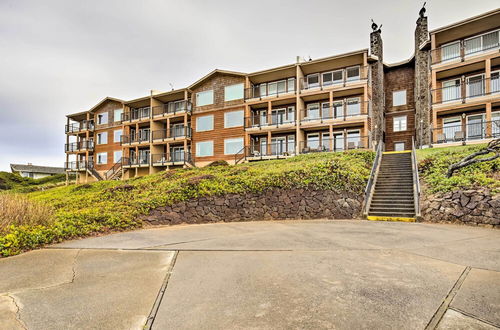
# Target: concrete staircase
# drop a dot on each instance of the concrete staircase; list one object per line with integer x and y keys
{"x": 393, "y": 195}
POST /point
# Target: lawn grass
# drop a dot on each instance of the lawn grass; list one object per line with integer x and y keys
{"x": 434, "y": 162}
{"x": 13, "y": 182}
{"x": 86, "y": 209}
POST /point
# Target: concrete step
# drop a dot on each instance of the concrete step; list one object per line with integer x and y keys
{"x": 398, "y": 209}
{"x": 393, "y": 214}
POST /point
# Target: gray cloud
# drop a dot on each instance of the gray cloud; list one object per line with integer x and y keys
{"x": 60, "y": 57}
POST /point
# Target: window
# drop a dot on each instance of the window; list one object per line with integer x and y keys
{"x": 451, "y": 90}
{"x": 233, "y": 92}
{"x": 353, "y": 140}
{"x": 399, "y": 146}
{"x": 353, "y": 107}
{"x": 327, "y": 78}
{"x": 475, "y": 86}
{"x": 291, "y": 84}
{"x": 118, "y": 115}
{"x": 338, "y": 76}
{"x": 117, "y": 156}
{"x": 482, "y": 42}
{"x": 352, "y": 73}
{"x": 102, "y": 118}
{"x": 102, "y": 138}
{"x": 205, "y": 148}
{"x": 313, "y": 80}
{"x": 117, "y": 135}
{"x": 495, "y": 82}
{"x": 233, "y": 146}
{"x": 450, "y": 51}
{"x": 313, "y": 111}
{"x": 204, "y": 98}
{"x": 399, "y": 123}
{"x": 205, "y": 123}
{"x": 398, "y": 98}
{"x": 233, "y": 119}
{"x": 102, "y": 158}
{"x": 495, "y": 124}
{"x": 313, "y": 141}
{"x": 451, "y": 128}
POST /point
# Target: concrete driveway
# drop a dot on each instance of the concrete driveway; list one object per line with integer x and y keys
{"x": 260, "y": 275}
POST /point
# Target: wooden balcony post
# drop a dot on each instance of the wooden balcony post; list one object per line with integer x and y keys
{"x": 487, "y": 76}
{"x": 488, "y": 120}
{"x": 330, "y": 128}
{"x": 268, "y": 146}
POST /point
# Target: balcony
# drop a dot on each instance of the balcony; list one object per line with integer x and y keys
{"x": 261, "y": 121}
{"x": 340, "y": 111}
{"x": 171, "y": 159}
{"x": 266, "y": 151}
{"x": 474, "y": 130}
{"x": 79, "y": 146}
{"x": 172, "y": 134}
{"x": 463, "y": 91}
{"x": 143, "y": 137}
{"x": 172, "y": 109}
{"x": 339, "y": 143}
{"x": 137, "y": 114}
{"x": 142, "y": 160}
{"x": 461, "y": 50}
{"x": 271, "y": 89}
{"x": 80, "y": 165}
{"x": 79, "y": 127}
{"x": 334, "y": 79}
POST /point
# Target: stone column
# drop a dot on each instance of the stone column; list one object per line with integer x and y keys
{"x": 377, "y": 78}
{"x": 422, "y": 85}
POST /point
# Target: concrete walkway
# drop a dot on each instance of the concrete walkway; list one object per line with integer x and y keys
{"x": 260, "y": 275}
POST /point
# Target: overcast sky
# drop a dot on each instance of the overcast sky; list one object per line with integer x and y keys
{"x": 61, "y": 57}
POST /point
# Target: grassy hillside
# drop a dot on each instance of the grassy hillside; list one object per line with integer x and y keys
{"x": 81, "y": 210}
{"x": 434, "y": 162}
{"x": 15, "y": 182}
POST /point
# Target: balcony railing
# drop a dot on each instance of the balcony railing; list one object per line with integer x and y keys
{"x": 174, "y": 133}
{"x": 274, "y": 120}
{"x": 172, "y": 108}
{"x": 466, "y": 132}
{"x": 326, "y": 80}
{"x": 271, "y": 89}
{"x": 461, "y": 49}
{"x": 79, "y": 146}
{"x": 344, "y": 110}
{"x": 139, "y": 160}
{"x": 174, "y": 158}
{"x": 267, "y": 151}
{"x": 141, "y": 137}
{"x": 80, "y": 165}
{"x": 137, "y": 114}
{"x": 80, "y": 127}
{"x": 466, "y": 90}
{"x": 337, "y": 144}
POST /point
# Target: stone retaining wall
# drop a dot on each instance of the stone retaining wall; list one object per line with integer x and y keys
{"x": 474, "y": 207}
{"x": 277, "y": 204}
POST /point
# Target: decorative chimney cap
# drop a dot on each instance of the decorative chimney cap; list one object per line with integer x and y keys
{"x": 375, "y": 27}
{"x": 422, "y": 11}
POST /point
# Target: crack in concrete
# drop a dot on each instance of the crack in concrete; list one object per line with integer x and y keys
{"x": 17, "y": 312}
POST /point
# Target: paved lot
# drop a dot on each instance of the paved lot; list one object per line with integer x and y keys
{"x": 261, "y": 275}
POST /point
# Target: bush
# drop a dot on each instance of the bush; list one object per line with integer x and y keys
{"x": 18, "y": 210}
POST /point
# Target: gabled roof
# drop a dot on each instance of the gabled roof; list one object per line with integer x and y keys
{"x": 465, "y": 21}
{"x": 214, "y": 72}
{"x": 36, "y": 169}
{"x": 108, "y": 98}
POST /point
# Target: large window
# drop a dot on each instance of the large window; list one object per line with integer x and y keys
{"x": 233, "y": 92}
{"x": 233, "y": 146}
{"x": 118, "y": 115}
{"x": 117, "y": 156}
{"x": 451, "y": 90}
{"x": 205, "y": 123}
{"x": 205, "y": 148}
{"x": 233, "y": 119}
{"x": 117, "y": 134}
{"x": 102, "y": 118}
{"x": 399, "y": 123}
{"x": 102, "y": 138}
{"x": 204, "y": 98}
{"x": 102, "y": 158}
{"x": 398, "y": 98}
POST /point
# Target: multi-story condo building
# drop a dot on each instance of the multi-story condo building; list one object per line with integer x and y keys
{"x": 446, "y": 93}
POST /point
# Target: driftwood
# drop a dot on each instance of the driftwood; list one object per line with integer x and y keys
{"x": 492, "y": 147}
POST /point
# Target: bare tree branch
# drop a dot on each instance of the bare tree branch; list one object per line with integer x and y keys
{"x": 492, "y": 147}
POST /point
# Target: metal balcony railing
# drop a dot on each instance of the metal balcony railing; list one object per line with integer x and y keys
{"x": 172, "y": 108}
{"x": 461, "y": 49}
{"x": 471, "y": 131}
{"x": 274, "y": 120}
{"x": 344, "y": 110}
{"x": 140, "y": 137}
{"x": 172, "y": 158}
{"x": 79, "y": 146}
{"x": 271, "y": 89}
{"x": 137, "y": 114}
{"x": 337, "y": 78}
{"x": 336, "y": 144}
{"x": 80, "y": 127}
{"x": 80, "y": 165}
{"x": 175, "y": 133}
{"x": 137, "y": 160}
{"x": 466, "y": 89}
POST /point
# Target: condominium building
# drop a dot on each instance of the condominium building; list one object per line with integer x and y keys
{"x": 445, "y": 94}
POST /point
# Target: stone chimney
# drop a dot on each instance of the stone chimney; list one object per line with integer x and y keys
{"x": 422, "y": 84}
{"x": 377, "y": 78}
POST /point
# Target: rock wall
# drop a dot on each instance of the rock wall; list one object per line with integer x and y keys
{"x": 277, "y": 204}
{"x": 473, "y": 207}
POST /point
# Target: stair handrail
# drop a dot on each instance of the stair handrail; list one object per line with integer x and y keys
{"x": 416, "y": 178}
{"x": 371, "y": 180}
{"x": 112, "y": 171}
{"x": 240, "y": 155}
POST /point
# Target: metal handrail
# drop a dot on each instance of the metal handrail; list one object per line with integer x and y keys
{"x": 416, "y": 179}
{"x": 333, "y": 112}
{"x": 111, "y": 172}
{"x": 466, "y": 132}
{"x": 371, "y": 180}
{"x": 464, "y": 90}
